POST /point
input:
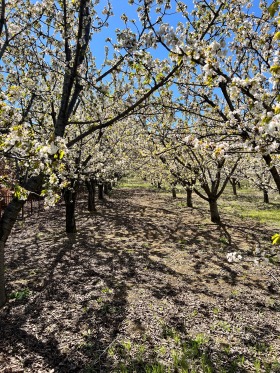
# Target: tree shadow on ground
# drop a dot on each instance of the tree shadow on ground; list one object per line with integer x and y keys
{"x": 135, "y": 274}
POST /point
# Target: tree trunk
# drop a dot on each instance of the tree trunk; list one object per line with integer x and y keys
{"x": 234, "y": 183}
{"x": 107, "y": 188}
{"x": 189, "y": 197}
{"x": 90, "y": 184}
{"x": 214, "y": 213}
{"x": 265, "y": 196}
{"x": 273, "y": 171}
{"x": 3, "y": 297}
{"x": 6, "y": 224}
{"x": 174, "y": 195}
{"x": 100, "y": 191}
{"x": 70, "y": 204}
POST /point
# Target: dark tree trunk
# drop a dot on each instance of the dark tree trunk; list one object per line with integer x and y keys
{"x": 265, "y": 196}
{"x": 3, "y": 297}
{"x": 214, "y": 212}
{"x": 6, "y": 224}
{"x": 90, "y": 184}
{"x": 107, "y": 188}
{"x": 70, "y": 204}
{"x": 189, "y": 197}
{"x": 273, "y": 171}
{"x": 159, "y": 185}
{"x": 234, "y": 184}
{"x": 100, "y": 191}
{"x": 174, "y": 195}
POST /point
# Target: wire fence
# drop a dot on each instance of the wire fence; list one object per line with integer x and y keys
{"x": 33, "y": 205}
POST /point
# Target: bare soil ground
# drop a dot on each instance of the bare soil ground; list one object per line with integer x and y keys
{"x": 144, "y": 286}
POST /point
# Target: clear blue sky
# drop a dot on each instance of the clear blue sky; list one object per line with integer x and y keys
{"x": 122, "y": 6}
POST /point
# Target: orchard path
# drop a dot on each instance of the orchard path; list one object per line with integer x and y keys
{"x": 144, "y": 279}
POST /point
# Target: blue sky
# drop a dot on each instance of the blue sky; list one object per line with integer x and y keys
{"x": 122, "y": 6}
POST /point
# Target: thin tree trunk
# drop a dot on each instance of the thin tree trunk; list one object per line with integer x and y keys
{"x": 174, "y": 194}
{"x": 110, "y": 186}
{"x": 234, "y": 183}
{"x": 100, "y": 191}
{"x": 265, "y": 196}
{"x": 3, "y": 297}
{"x": 214, "y": 212}
{"x": 70, "y": 204}
{"x": 106, "y": 189}
{"x": 91, "y": 195}
{"x": 189, "y": 197}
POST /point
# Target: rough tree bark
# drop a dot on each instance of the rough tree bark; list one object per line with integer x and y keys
{"x": 265, "y": 196}
{"x": 214, "y": 212}
{"x": 107, "y": 188}
{"x": 189, "y": 197}
{"x": 90, "y": 184}
{"x": 3, "y": 297}
{"x": 110, "y": 186}
{"x": 233, "y": 182}
{"x": 70, "y": 196}
{"x": 100, "y": 191}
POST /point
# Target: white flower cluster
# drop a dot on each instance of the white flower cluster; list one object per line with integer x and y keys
{"x": 217, "y": 150}
{"x": 234, "y": 257}
{"x": 126, "y": 39}
{"x": 273, "y": 125}
{"x": 149, "y": 39}
{"x": 34, "y": 156}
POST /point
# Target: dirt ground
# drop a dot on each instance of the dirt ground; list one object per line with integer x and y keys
{"x": 144, "y": 286}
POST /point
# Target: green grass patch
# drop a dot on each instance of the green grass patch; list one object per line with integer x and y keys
{"x": 249, "y": 204}
{"x": 20, "y": 294}
{"x": 264, "y": 216}
{"x": 131, "y": 183}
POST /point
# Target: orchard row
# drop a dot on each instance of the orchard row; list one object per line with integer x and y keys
{"x": 188, "y": 93}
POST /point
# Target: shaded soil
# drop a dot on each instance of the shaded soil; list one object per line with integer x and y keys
{"x": 144, "y": 283}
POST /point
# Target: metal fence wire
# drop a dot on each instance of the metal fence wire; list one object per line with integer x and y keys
{"x": 32, "y": 205}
